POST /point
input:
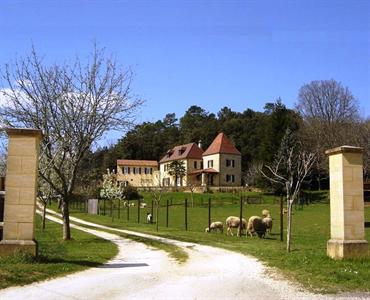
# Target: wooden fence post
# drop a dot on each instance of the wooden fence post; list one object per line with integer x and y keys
{"x": 119, "y": 208}
{"x": 167, "y": 213}
{"x": 209, "y": 214}
{"x": 104, "y": 206}
{"x": 138, "y": 210}
{"x": 128, "y": 210}
{"x": 186, "y": 214}
{"x": 241, "y": 217}
{"x": 281, "y": 219}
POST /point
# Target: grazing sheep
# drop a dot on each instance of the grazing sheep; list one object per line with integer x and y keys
{"x": 233, "y": 222}
{"x": 216, "y": 226}
{"x": 268, "y": 223}
{"x": 142, "y": 205}
{"x": 265, "y": 213}
{"x": 256, "y": 225}
{"x": 267, "y": 219}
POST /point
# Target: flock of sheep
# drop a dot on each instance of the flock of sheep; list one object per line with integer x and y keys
{"x": 256, "y": 225}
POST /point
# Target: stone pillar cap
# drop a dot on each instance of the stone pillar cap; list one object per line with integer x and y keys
{"x": 23, "y": 131}
{"x": 344, "y": 149}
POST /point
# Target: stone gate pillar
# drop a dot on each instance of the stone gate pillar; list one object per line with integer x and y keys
{"x": 346, "y": 203}
{"x": 21, "y": 191}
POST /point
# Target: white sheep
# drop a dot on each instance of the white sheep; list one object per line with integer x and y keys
{"x": 233, "y": 222}
{"x": 216, "y": 226}
{"x": 142, "y": 205}
{"x": 268, "y": 223}
{"x": 256, "y": 225}
{"x": 265, "y": 213}
{"x": 267, "y": 219}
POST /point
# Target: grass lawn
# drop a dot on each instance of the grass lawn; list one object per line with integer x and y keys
{"x": 306, "y": 264}
{"x": 56, "y": 257}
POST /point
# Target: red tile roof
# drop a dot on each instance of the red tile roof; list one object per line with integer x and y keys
{"x": 137, "y": 163}
{"x": 183, "y": 152}
{"x": 221, "y": 144}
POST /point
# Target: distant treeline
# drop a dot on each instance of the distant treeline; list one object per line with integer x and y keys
{"x": 256, "y": 134}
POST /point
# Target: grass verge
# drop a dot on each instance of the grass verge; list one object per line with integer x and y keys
{"x": 56, "y": 257}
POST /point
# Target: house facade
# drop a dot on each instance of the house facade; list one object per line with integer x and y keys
{"x": 139, "y": 173}
{"x": 218, "y": 165}
{"x": 222, "y": 163}
{"x": 190, "y": 155}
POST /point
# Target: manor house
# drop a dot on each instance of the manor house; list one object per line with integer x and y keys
{"x": 219, "y": 165}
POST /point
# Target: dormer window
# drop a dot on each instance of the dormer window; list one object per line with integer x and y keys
{"x": 182, "y": 150}
{"x": 169, "y": 153}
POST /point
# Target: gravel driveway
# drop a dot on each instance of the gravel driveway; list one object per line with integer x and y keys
{"x": 140, "y": 272}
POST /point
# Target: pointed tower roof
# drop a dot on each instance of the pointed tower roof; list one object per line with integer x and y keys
{"x": 221, "y": 144}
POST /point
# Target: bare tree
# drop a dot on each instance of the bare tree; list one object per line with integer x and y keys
{"x": 157, "y": 194}
{"x": 3, "y": 154}
{"x": 74, "y": 104}
{"x": 289, "y": 169}
{"x": 331, "y": 115}
{"x": 192, "y": 187}
{"x": 45, "y": 196}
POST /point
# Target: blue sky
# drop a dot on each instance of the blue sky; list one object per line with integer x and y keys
{"x": 240, "y": 54}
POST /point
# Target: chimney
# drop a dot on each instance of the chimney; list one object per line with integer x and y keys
{"x": 200, "y": 144}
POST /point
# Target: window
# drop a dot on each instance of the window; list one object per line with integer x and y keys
{"x": 230, "y": 163}
{"x": 165, "y": 167}
{"x": 133, "y": 170}
{"x": 150, "y": 170}
{"x": 195, "y": 164}
{"x": 201, "y": 165}
{"x": 166, "y": 181}
{"x": 126, "y": 170}
{"x": 136, "y": 170}
{"x": 139, "y": 170}
{"x": 230, "y": 178}
{"x": 210, "y": 164}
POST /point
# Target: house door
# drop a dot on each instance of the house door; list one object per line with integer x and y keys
{"x": 210, "y": 179}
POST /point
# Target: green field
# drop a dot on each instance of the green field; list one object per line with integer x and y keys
{"x": 56, "y": 257}
{"x": 307, "y": 263}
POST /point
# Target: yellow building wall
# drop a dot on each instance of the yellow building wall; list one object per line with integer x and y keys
{"x": 224, "y": 170}
{"x": 139, "y": 180}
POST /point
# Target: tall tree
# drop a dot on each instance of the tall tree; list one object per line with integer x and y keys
{"x": 177, "y": 169}
{"x": 197, "y": 124}
{"x": 74, "y": 104}
{"x": 331, "y": 116}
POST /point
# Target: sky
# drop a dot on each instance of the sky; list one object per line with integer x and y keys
{"x": 240, "y": 54}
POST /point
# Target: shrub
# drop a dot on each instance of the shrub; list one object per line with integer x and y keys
{"x": 130, "y": 192}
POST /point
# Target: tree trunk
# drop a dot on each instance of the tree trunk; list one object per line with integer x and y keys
{"x": 66, "y": 227}
{"x": 43, "y": 216}
{"x": 289, "y": 229}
